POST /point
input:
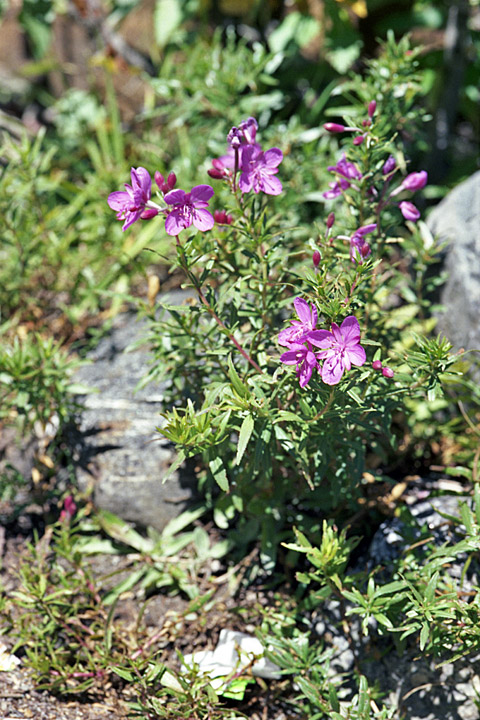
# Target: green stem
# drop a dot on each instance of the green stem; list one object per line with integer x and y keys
{"x": 193, "y": 279}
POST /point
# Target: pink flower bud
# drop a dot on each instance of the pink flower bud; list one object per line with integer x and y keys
{"x": 366, "y": 123}
{"x": 316, "y": 257}
{"x": 234, "y": 137}
{"x": 372, "y": 106}
{"x": 334, "y": 127}
{"x": 415, "y": 181}
{"x": 365, "y": 250}
{"x": 358, "y": 140}
{"x": 69, "y": 508}
{"x": 376, "y": 365}
{"x": 160, "y": 180}
{"x": 222, "y": 218}
{"x": 387, "y": 372}
{"x": 149, "y": 213}
{"x": 389, "y": 165}
{"x": 409, "y": 211}
{"x": 215, "y": 174}
{"x": 330, "y": 220}
{"x": 171, "y": 180}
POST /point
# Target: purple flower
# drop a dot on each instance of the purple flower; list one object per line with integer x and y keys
{"x": 304, "y": 358}
{"x": 346, "y": 171}
{"x": 359, "y": 248}
{"x": 308, "y": 320}
{"x": 244, "y": 134}
{"x": 130, "y": 205}
{"x": 189, "y": 209}
{"x": 409, "y": 211}
{"x": 258, "y": 170}
{"x": 336, "y": 187}
{"x": 340, "y": 349}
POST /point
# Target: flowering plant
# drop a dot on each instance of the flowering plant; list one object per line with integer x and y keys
{"x": 285, "y": 414}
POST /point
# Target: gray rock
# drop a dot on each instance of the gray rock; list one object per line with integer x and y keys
{"x": 116, "y": 446}
{"x": 456, "y": 220}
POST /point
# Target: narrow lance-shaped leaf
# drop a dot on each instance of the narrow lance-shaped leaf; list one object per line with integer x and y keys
{"x": 244, "y": 436}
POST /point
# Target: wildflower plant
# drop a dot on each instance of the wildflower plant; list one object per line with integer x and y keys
{"x": 284, "y": 373}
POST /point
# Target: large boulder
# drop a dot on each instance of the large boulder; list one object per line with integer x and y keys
{"x": 117, "y": 448}
{"x": 456, "y": 220}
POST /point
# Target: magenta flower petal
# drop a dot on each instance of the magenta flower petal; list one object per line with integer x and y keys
{"x": 273, "y": 157}
{"x": 357, "y": 355}
{"x": 245, "y": 183}
{"x": 271, "y": 185}
{"x": 350, "y": 330}
{"x": 201, "y": 193}
{"x": 142, "y": 181}
{"x": 332, "y": 370}
{"x": 176, "y": 222}
{"x": 321, "y": 338}
{"x": 290, "y": 357}
{"x": 336, "y": 332}
{"x": 175, "y": 197}
{"x": 307, "y": 314}
{"x": 118, "y": 200}
{"x": 306, "y": 368}
{"x": 202, "y": 219}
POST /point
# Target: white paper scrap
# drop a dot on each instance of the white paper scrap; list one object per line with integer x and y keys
{"x": 234, "y": 652}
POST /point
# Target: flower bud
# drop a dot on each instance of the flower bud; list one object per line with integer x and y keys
{"x": 415, "y": 181}
{"x": 365, "y": 250}
{"x": 372, "y": 106}
{"x": 389, "y": 165}
{"x": 334, "y": 127}
{"x": 160, "y": 180}
{"x": 316, "y": 257}
{"x": 171, "y": 180}
{"x": 376, "y": 365}
{"x": 358, "y": 140}
{"x": 249, "y": 129}
{"x": 234, "y": 137}
{"x": 409, "y": 211}
{"x": 69, "y": 508}
{"x": 330, "y": 220}
{"x": 387, "y": 373}
{"x": 215, "y": 174}
{"x": 222, "y": 217}
{"x": 366, "y": 123}
{"x": 149, "y": 213}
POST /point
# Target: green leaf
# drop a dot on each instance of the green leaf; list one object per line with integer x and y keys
{"x": 237, "y": 384}
{"x": 424, "y": 635}
{"x": 124, "y": 674}
{"x": 166, "y": 19}
{"x": 244, "y": 437}
{"x": 219, "y": 475}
